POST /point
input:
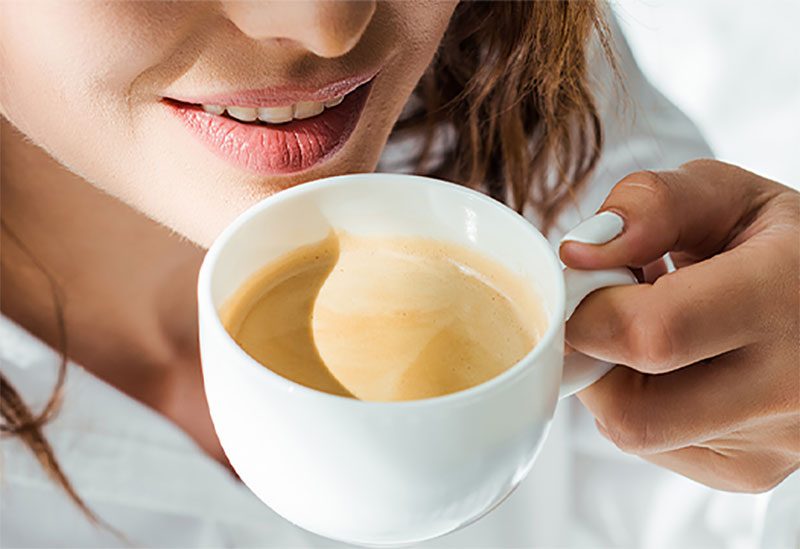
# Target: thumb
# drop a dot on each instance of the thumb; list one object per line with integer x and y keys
{"x": 696, "y": 209}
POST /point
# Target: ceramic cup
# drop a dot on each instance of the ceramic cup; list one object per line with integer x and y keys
{"x": 387, "y": 473}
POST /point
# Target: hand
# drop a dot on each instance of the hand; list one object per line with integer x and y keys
{"x": 710, "y": 386}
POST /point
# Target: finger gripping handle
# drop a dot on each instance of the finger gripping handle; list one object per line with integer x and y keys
{"x": 580, "y": 370}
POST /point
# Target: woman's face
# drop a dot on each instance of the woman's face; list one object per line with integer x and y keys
{"x": 115, "y": 91}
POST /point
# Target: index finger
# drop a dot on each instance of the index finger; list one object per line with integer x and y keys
{"x": 726, "y": 302}
{"x": 696, "y": 209}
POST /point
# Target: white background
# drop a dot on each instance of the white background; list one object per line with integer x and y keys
{"x": 733, "y": 66}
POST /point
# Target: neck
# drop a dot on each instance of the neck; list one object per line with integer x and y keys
{"x": 126, "y": 283}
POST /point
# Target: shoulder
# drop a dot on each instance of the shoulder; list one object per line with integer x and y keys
{"x": 132, "y": 467}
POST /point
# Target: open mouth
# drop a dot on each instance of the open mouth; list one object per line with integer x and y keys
{"x": 264, "y": 136}
{"x": 275, "y": 115}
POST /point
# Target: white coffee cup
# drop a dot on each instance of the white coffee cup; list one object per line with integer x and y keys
{"x": 387, "y": 473}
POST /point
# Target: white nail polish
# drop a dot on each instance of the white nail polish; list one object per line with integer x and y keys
{"x": 599, "y": 229}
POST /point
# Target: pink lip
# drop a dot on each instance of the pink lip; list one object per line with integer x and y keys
{"x": 279, "y": 96}
{"x": 276, "y": 148}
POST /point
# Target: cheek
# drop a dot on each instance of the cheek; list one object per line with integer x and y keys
{"x": 428, "y": 20}
{"x": 412, "y": 31}
{"x": 420, "y": 25}
{"x": 67, "y": 62}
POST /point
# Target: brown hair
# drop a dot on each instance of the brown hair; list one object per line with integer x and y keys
{"x": 18, "y": 420}
{"x": 510, "y": 78}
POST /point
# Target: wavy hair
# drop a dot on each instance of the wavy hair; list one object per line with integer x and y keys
{"x": 511, "y": 81}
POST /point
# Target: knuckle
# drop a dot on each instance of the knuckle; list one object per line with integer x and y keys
{"x": 756, "y": 473}
{"x": 649, "y": 342}
{"x": 653, "y": 182}
{"x": 630, "y": 436}
{"x": 758, "y": 482}
{"x": 627, "y": 429}
{"x": 699, "y": 164}
{"x": 769, "y": 477}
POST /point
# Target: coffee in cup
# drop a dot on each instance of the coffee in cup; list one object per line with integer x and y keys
{"x": 385, "y": 318}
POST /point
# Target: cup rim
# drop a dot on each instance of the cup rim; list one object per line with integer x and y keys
{"x": 211, "y": 258}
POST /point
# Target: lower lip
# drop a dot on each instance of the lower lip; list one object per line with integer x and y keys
{"x": 276, "y": 149}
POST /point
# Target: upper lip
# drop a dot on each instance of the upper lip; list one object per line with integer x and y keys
{"x": 278, "y": 96}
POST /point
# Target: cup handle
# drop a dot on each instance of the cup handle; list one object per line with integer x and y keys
{"x": 580, "y": 370}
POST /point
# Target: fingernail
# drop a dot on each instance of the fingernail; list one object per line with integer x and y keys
{"x": 599, "y": 229}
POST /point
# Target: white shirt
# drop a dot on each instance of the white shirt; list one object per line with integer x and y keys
{"x": 151, "y": 481}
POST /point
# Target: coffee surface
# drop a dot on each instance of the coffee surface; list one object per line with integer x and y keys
{"x": 385, "y": 318}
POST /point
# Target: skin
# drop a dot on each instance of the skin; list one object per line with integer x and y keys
{"x": 710, "y": 385}
{"x": 127, "y": 282}
{"x": 116, "y": 201}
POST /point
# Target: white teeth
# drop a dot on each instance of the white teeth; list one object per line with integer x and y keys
{"x": 245, "y": 114}
{"x": 307, "y": 109}
{"x": 214, "y": 109}
{"x": 276, "y": 115}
